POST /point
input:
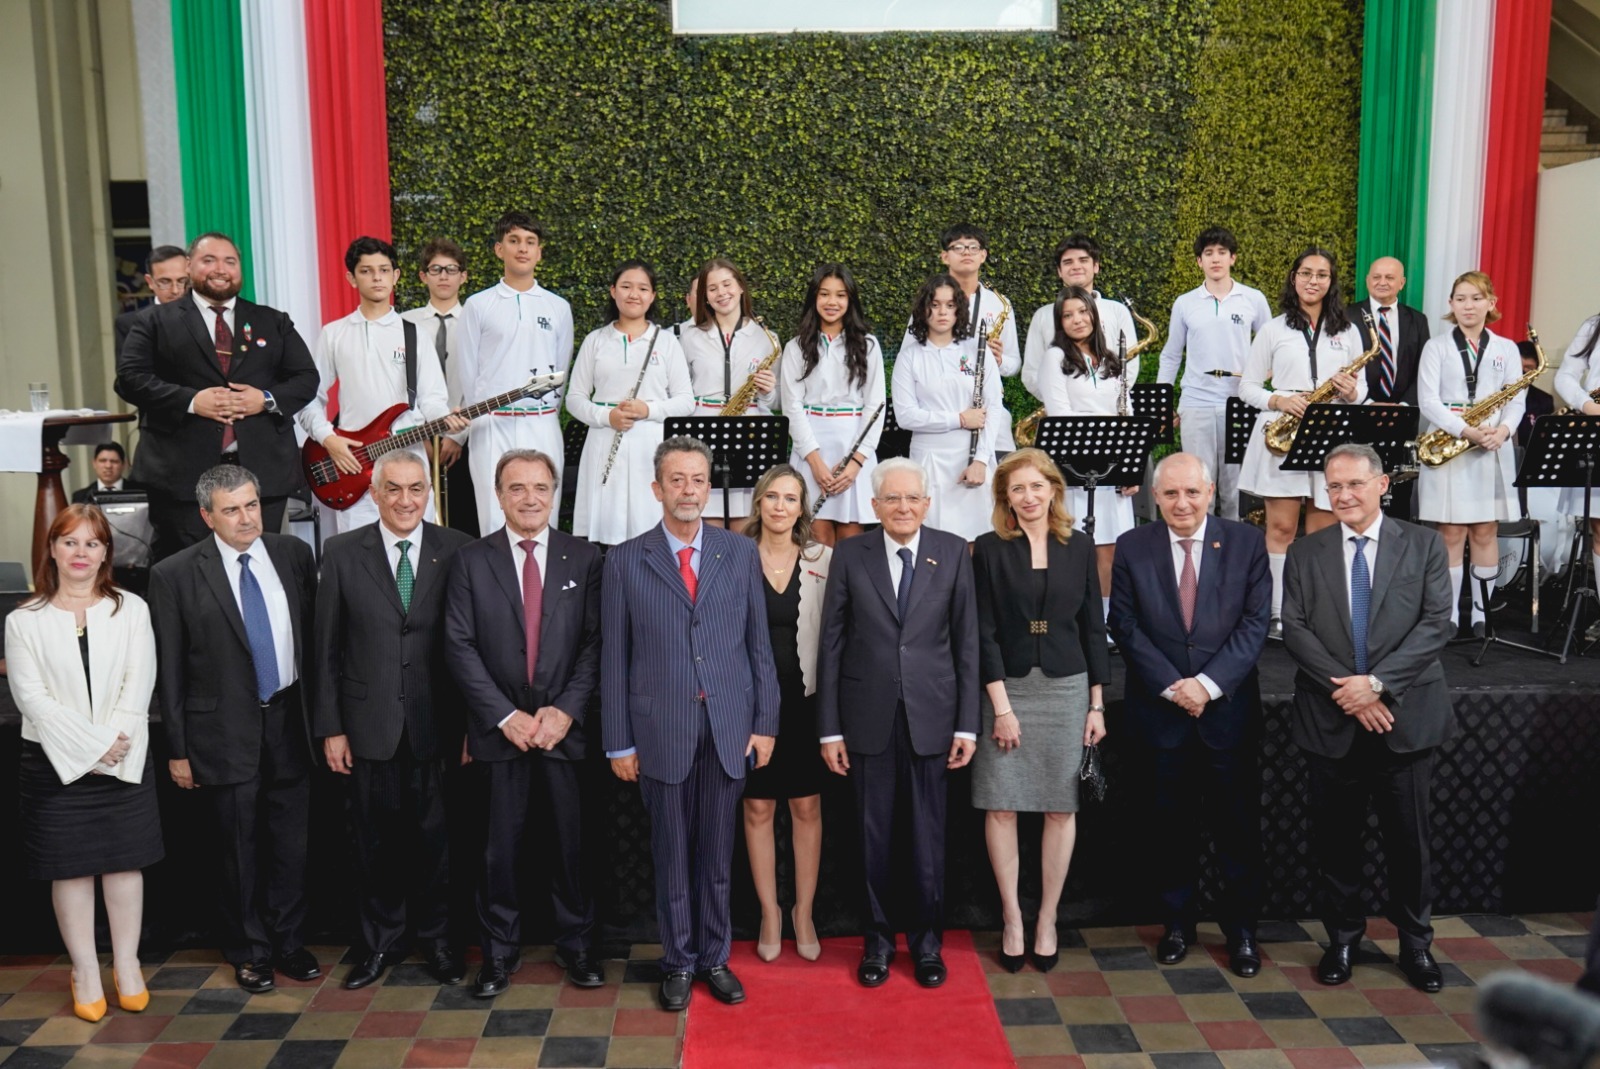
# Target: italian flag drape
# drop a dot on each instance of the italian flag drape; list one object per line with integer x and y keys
{"x": 1452, "y": 102}
{"x": 275, "y": 132}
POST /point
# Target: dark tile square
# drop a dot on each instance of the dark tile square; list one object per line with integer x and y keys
{"x": 1494, "y": 924}
{"x": 1362, "y": 1031}
{"x": 41, "y": 1057}
{"x": 217, "y": 1000}
{"x": 307, "y": 1054}
{"x": 1070, "y": 938}
{"x": 13, "y": 1033}
{"x": 642, "y": 972}
{"x": 1123, "y": 959}
{"x": 1573, "y": 946}
{"x": 1454, "y": 977}
{"x": 459, "y": 997}
{"x": 1027, "y": 1011}
{"x": 179, "y": 978}
{"x": 410, "y": 975}
{"x": 260, "y": 1026}
{"x": 1197, "y": 982}
{"x": 353, "y": 956}
{"x": 1276, "y": 1005}
{"x": 4, "y": 998}
{"x": 1367, "y": 953}
{"x": 1281, "y": 932}
{"x": 615, "y": 950}
{"x": 1187, "y": 1059}
{"x": 1103, "y": 1038}
{"x": 577, "y": 1052}
{"x": 519, "y": 1023}
{"x": 1440, "y": 1053}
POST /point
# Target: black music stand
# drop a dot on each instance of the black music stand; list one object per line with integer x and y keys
{"x": 742, "y": 447}
{"x": 1563, "y": 451}
{"x": 1158, "y": 401}
{"x": 1391, "y": 430}
{"x": 1240, "y": 421}
{"x": 1095, "y": 451}
{"x": 893, "y": 441}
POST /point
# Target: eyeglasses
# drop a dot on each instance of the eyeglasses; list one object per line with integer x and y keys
{"x": 964, "y": 248}
{"x": 444, "y": 270}
{"x": 169, "y": 283}
{"x": 894, "y": 501}
{"x": 1313, "y": 276}
{"x": 1355, "y": 486}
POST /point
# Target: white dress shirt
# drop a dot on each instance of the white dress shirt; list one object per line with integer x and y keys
{"x": 1196, "y": 550}
{"x": 1370, "y": 553}
{"x": 427, "y": 320}
{"x": 277, "y": 600}
{"x": 391, "y": 547}
{"x": 102, "y": 488}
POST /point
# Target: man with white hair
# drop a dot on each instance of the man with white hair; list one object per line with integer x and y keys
{"x": 897, "y": 700}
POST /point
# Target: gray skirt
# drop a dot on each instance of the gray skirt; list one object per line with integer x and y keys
{"x": 1041, "y": 774}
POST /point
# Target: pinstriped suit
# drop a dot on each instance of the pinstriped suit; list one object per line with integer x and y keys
{"x": 660, "y": 653}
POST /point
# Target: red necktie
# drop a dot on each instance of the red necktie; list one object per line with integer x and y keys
{"x": 1188, "y": 584}
{"x": 689, "y": 579}
{"x": 224, "y": 346}
{"x": 532, "y": 603}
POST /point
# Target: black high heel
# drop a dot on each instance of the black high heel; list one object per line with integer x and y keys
{"x": 1012, "y": 962}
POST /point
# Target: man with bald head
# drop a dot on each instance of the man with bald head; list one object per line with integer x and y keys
{"x": 1402, "y": 332}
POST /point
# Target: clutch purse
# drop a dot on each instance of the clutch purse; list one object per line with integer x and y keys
{"x": 1090, "y": 775}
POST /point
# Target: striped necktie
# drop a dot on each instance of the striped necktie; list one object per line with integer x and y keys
{"x": 1385, "y": 355}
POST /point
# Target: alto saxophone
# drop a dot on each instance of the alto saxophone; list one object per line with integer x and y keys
{"x": 739, "y": 402}
{"x": 1439, "y": 445}
{"x": 1027, "y": 428}
{"x": 1281, "y": 431}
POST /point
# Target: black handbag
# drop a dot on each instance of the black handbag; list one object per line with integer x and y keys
{"x": 1091, "y": 775}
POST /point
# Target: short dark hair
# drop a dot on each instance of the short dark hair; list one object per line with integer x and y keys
{"x": 516, "y": 220}
{"x": 922, "y": 307}
{"x": 680, "y": 443}
{"x": 1076, "y": 241}
{"x": 437, "y": 247}
{"x": 1215, "y": 235}
{"x": 369, "y": 246}
{"x": 161, "y": 254}
{"x": 963, "y": 230}
{"x": 207, "y": 236}
{"x": 111, "y": 447}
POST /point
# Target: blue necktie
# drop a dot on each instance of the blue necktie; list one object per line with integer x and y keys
{"x": 1360, "y": 602}
{"x": 902, "y": 597}
{"x": 258, "y": 629}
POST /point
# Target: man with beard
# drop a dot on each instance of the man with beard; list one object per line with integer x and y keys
{"x": 216, "y": 379}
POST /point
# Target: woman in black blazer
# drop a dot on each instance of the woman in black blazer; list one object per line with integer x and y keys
{"x": 1042, "y": 650}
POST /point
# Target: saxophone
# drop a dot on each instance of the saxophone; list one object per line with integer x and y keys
{"x": 1027, "y": 428}
{"x": 1281, "y": 431}
{"x": 739, "y": 403}
{"x": 1439, "y": 445}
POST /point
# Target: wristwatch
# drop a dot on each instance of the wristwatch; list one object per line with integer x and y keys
{"x": 268, "y": 403}
{"x": 1376, "y": 684}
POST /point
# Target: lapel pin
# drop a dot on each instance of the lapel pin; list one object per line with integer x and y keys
{"x": 930, "y": 560}
{"x": 249, "y": 335}
{"x": 1216, "y": 545}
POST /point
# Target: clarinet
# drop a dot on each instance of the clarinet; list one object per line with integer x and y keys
{"x": 616, "y": 436}
{"x": 977, "y": 392}
{"x": 839, "y": 467}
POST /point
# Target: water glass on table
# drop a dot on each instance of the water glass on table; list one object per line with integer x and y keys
{"x": 39, "y": 396}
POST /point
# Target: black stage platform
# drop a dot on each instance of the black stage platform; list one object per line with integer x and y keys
{"x": 1516, "y": 817}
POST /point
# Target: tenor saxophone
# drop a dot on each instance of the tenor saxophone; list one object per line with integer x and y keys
{"x": 1439, "y": 445}
{"x": 1281, "y": 431}
{"x": 739, "y": 402}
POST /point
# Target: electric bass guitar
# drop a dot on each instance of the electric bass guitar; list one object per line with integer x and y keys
{"x": 339, "y": 491}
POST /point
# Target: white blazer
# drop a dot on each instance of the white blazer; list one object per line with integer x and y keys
{"x": 48, "y": 685}
{"x": 813, "y": 584}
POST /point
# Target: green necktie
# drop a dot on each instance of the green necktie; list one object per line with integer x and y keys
{"x": 403, "y": 577}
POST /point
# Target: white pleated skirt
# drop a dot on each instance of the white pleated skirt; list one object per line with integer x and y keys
{"x": 835, "y": 436}
{"x": 1261, "y": 473}
{"x": 1476, "y": 487}
{"x": 952, "y": 506}
{"x": 624, "y": 506}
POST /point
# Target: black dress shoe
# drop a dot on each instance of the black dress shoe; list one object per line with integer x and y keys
{"x": 299, "y": 965}
{"x": 1334, "y": 968}
{"x": 725, "y": 987}
{"x": 1421, "y": 970}
{"x": 445, "y": 965}
{"x": 1174, "y": 945}
{"x": 874, "y": 969}
{"x": 254, "y": 976}
{"x": 675, "y": 990}
{"x": 930, "y": 970}
{"x": 494, "y": 976}
{"x": 582, "y": 970}
{"x": 1243, "y": 957}
{"x": 367, "y": 971}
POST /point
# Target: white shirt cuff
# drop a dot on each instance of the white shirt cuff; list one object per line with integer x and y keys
{"x": 503, "y": 719}
{"x": 831, "y": 738}
{"x": 968, "y": 735}
{"x": 629, "y": 752}
{"x": 1211, "y": 688}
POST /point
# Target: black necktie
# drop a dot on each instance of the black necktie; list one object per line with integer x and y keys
{"x": 440, "y": 339}
{"x": 902, "y": 596}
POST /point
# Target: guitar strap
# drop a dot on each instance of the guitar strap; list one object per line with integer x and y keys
{"x": 410, "y": 329}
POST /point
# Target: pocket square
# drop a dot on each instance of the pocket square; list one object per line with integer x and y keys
{"x": 570, "y": 584}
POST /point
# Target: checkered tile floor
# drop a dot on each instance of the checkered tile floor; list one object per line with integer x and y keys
{"x": 1106, "y": 1006}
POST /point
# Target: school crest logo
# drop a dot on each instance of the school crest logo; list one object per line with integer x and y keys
{"x": 544, "y": 323}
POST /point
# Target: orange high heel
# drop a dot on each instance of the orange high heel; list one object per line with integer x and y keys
{"x": 90, "y": 1012}
{"x": 131, "y": 1003}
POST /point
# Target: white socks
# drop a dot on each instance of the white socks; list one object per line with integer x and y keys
{"x": 1275, "y": 566}
{"x": 1481, "y": 572}
{"x": 1456, "y": 571}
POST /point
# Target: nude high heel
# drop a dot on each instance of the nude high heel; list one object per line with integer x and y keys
{"x": 809, "y": 951}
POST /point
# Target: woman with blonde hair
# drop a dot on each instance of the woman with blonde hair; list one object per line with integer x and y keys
{"x": 1043, "y": 661}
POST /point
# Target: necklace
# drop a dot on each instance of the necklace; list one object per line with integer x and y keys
{"x": 781, "y": 570}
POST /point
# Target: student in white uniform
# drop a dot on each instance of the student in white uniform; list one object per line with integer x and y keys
{"x": 934, "y": 379}
{"x": 964, "y": 249}
{"x": 365, "y": 354}
{"x": 630, "y": 350}
{"x": 1076, "y": 263}
{"x": 1082, "y": 376}
{"x": 1209, "y": 333}
{"x": 512, "y": 331}
{"x": 832, "y": 382}
{"x": 1469, "y": 496}
{"x": 724, "y": 346}
{"x": 1576, "y": 379}
{"x": 1298, "y": 351}
{"x": 442, "y": 268}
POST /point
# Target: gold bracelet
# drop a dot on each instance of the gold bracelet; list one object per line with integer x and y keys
{"x": 1001, "y": 712}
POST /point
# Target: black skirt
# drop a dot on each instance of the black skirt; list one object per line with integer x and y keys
{"x": 93, "y": 825}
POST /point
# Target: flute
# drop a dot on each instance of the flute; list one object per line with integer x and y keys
{"x": 839, "y": 467}
{"x": 616, "y": 436}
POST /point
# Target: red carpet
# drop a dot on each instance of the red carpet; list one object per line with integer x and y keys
{"x": 813, "y": 1015}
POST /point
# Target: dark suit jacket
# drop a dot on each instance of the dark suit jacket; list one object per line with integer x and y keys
{"x": 485, "y": 642}
{"x": 1233, "y": 608}
{"x": 1413, "y": 327}
{"x": 1003, "y": 578}
{"x": 867, "y": 661}
{"x": 376, "y": 669}
{"x": 124, "y": 326}
{"x": 206, "y": 688}
{"x": 662, "y": 651}
{"x": 1408, "y": 626}
{"x": 170, "y": 356}
{"x": 85, "y": 495}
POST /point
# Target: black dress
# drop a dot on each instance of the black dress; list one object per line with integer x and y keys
{"x": 796, "y": 769}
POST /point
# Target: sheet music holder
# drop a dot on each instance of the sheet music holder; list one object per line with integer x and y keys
{"x": 1095, "y": 451}
{"x": 1564, "y": 451}
{"x": 1240, "y": 421}
{"x": 742, "y": 447}
{"x": 1389, "y": 429}
{"x": 894, "y": 441}
{"x": 1158, "y": 401}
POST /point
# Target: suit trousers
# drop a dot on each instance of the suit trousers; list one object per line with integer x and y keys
{"x": 1398, "y": 786}
{"x": 262, "y": 829}
{"x": 552, "y": 790}
{"x": 1227, "y": 786}
{"x": 402, "y": 847}
{"x": 1204, "y": 432}
{"x": 901, "y": 783}
{"x": 178, "y": 524}
{"x": 1590, "y": 980}
{"x": 691, "y": 841}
